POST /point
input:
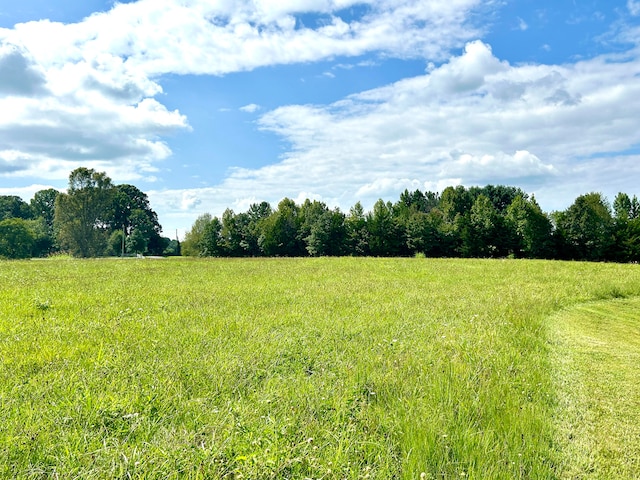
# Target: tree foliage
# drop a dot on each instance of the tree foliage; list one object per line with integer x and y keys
{"x": 17, "y": 240}
{"x": 12, "y": 206}
{"x": 490, "y": 221}
{"x": 83, "y": 214}
{"x": 95, "y": 217}
{"x": 587, "y": 228}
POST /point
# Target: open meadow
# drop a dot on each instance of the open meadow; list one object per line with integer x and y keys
{"x": 319, "y": 368}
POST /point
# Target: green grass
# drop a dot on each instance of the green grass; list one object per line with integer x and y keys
{"x": 287, "y": 368}
{"x": 598, "y": 366}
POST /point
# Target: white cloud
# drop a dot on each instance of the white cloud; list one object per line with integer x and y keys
{"x": 26, "y": 192}
{"x": 221, "y": 37}
{"x": 385, "y": 187}
{"x": 474, "y": 120}
{"x": 189, "y": 200}
{"x": 19, "y": 74}
{"x": 522, "y": 25}
{"x": 500, "y": 167}
{"x": 634, "y": 7}
{"x": 88, "y": 93}
{"x": 251, "y": 108}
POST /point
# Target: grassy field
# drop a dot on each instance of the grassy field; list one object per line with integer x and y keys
{"x": 314, "y": 368}
{"x": 598, "y": 370}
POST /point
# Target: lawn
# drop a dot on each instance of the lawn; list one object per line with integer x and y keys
{"x": 598, "y": 371}
{"x": 302, "y": 368}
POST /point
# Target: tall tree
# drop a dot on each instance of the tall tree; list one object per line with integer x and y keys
{"x": 280, "y": 231}
{"x": 132, "y": 212}
{"x": 417, "y": 201}
{"x": 327, "y": 234}
{"x": 455, "y": 202}
{"x": 386, "y": 235}
{"x": 501, "y": 196}
{"x": 213, "y": 244}
{"x": 626, "y": 226}
{"x": 16, "y": 238}
{"x": 83, "y": 214}
{"x": 232, "y": 233}
{"x": 587, "y": 227}
{"x": 356, "y": 230}
{"x": 12, "y": 206}
{"x": 193, "y": 244}
{"x": 257, "y": 213}
{"x": 480, "y": 237}
{"x": 531, "y": 228}
{"x": 43, "y": 206}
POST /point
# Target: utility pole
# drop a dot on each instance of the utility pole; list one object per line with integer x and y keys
{"x": 123, "y": 240}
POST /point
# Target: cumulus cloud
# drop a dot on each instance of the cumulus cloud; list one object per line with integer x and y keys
{"x": 89, "y": 93}
{"x": 474, "y": 120}
{"x": 204, "y": 37}
{"x": 498, "y": 168}
{"x": 251, "y": 108}
{"x": 20, "y": 75}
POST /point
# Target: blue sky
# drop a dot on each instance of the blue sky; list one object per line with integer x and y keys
{"x": 207, "y": 105}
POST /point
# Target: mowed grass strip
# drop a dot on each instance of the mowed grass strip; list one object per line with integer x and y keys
{"x": 285, "y": 368}
{"x": 598, "y": 363}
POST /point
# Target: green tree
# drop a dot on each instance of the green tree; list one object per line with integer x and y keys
{"x": 480, "y": 229}
{"x": 587, "y": 228}
{"x": 500, "y": 196}
{"x": 213, "y": 244}
{"x": 279, "y": 232}
{"x": 136, "y": 242}
{"x": 173, "y": 248}
{"x": 16, "y": 238}
{"x": 43, "y": 206}
{"x": 43, "y": 240}
{"x": 531, "y": 228}
{"x": 193, "y": 245}
{"x": 357, "y": 241}
{"x": 83, "y": 215}
{"x": 626, "y": 226}
{"x": 417, "y": 201}
{"x": 12, "y": 206}
{"x": 385, "y": 233}
{"x": 115, "y": 243}
{"x": 255, "y": 216}
{"x": 417, "y": 232}
{"x": 233, "y": 233}
{"x": 630, "y": 242}
{"x": 132, "y": 210}
{"x": 455, "y": 202}
{"x": 622, "y": 207}
{"x": 327, "y": 235}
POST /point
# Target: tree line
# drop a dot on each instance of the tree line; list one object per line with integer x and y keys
{"x": 490, "y": 221}
{"x": 93, "y": 218}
